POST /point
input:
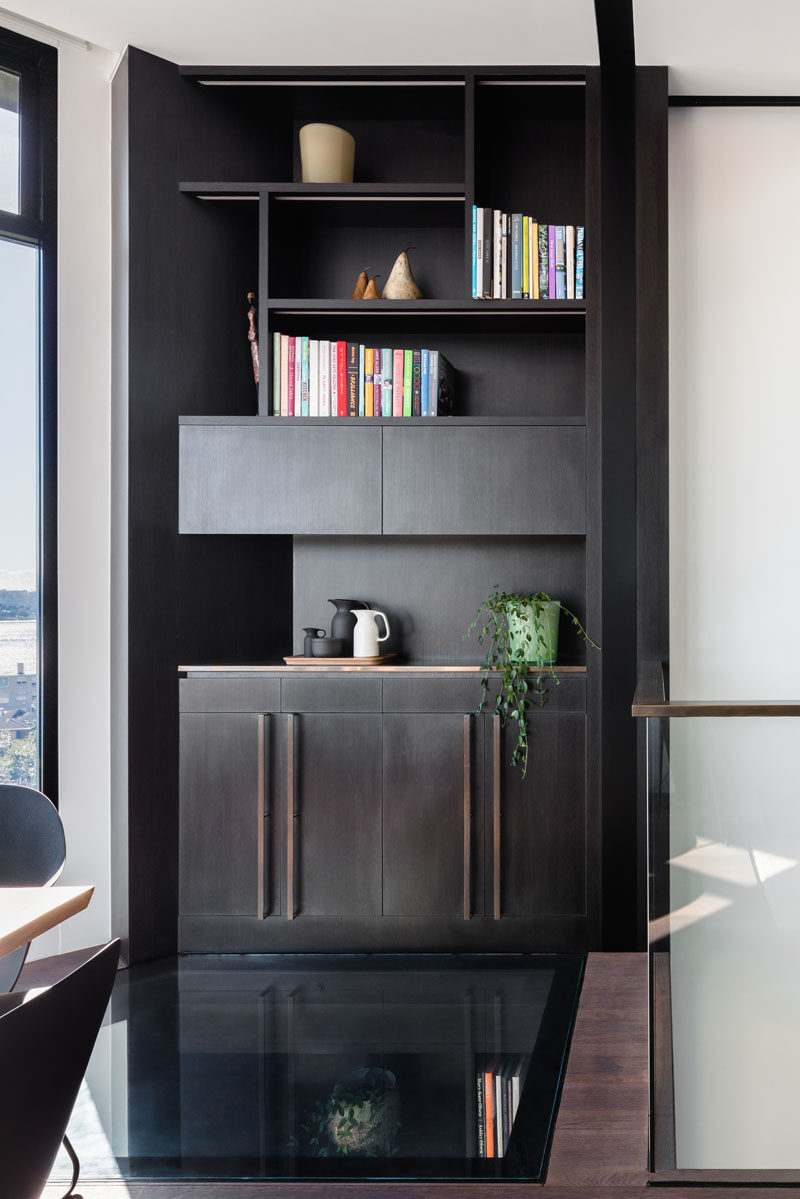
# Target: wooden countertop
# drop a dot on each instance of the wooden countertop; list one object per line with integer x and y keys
{"x": 282, "y": 668}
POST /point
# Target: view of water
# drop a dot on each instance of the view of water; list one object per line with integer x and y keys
{"x": 17, "y": 644}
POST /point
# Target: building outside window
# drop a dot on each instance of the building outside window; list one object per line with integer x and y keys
{"x": 28, "y": 74}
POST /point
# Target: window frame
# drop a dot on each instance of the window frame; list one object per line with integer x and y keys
{"x": 36, "y": 224}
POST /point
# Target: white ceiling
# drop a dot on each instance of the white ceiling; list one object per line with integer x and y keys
{"x": 710, "y": 46}
{"x": 338, "y": 32}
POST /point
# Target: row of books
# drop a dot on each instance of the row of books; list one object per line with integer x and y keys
{"x": 344, "y": 378}
{"x": 516, "y": 257}
{"x": 498, "y": 1088}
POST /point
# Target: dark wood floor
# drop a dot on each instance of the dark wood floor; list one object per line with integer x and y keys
{"x": 600, "y": 1142}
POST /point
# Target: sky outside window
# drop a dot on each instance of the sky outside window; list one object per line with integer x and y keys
{"x": 9, "y": 142}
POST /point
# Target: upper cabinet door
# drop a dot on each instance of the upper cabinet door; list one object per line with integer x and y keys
{"x": 250, "y": 478}
{"x": 484, "y": 479}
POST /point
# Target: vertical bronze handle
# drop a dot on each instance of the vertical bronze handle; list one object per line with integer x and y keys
{"x": 290, "y": 806}
{"x": 467, "y": 818}
{"x": 496, "y": 812}
{"x": 263, "y": 816}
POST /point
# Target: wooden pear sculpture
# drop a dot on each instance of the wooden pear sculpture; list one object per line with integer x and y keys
{"x": 400, "y": 285}
{"x": 361, "y": 286}
{"x": 371, "y": 292}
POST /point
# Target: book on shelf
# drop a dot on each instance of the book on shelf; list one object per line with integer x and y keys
{"x": 518, "y": 257}
{"x": 276, "y": 374}
{"x": 498, "y": 1088}
{"x": 328, "y": 378}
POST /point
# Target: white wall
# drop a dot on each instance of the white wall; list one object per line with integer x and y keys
{"x": 84, "y": 418}
{"x": 735, "y": 579}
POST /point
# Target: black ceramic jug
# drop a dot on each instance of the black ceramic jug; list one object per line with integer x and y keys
{"x": 344, "y": 622}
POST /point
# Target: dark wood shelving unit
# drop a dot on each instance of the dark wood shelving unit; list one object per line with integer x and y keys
{"x": 250, "y": 521}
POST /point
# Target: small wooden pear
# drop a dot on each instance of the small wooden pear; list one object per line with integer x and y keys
{"x": 400, "y": 285}
{"x": 371, "y": 292}
{"x": 361, "y": 286}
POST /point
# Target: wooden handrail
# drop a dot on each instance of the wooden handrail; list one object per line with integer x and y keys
{"x": 650, "y": 700}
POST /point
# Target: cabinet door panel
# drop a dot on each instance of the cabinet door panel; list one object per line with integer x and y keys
{"x": 455, "y": 480}
{"x": 259, "y": 479}
{"x": 424, "y": 779}
{"x": 337, "y": 825}
{"x": 542, "y": 846}
{"x": 220, "y": 775}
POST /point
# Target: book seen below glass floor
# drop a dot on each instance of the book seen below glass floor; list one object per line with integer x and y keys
{"x": 364, "y": 1066}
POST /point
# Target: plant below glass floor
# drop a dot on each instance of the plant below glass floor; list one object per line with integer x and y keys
{"x": 507, "y": 655}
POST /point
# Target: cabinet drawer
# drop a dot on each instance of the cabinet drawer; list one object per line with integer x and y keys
{"x": 568, "y": 695}
{"x": 259, "y": 479}
{"x": 229, "y": 695}
{"x": 331, "y": 695}
{"x": 481, "y": 480}
{"x": 458, "y": 693}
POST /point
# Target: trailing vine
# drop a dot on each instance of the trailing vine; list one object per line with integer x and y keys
{"x": 506, "y": 656}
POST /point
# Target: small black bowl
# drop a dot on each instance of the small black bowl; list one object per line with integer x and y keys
{"x": 327, "y": 647}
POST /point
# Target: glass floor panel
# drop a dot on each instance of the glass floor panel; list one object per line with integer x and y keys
{"x": 328, "y": 1067}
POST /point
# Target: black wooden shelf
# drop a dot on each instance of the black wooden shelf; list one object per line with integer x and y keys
{"x": 427, "y": 422}
{"x": 466, "y": 308}
{"x": 237, "y": 190}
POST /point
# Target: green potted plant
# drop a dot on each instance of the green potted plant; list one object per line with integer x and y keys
{"x": 519, "y": 632}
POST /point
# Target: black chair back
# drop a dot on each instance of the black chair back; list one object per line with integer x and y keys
{"x": 45, "y": 1046}
{"x": 32, "y": 843}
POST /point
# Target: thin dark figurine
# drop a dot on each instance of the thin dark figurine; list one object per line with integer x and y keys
{"x": 252, "y": 333}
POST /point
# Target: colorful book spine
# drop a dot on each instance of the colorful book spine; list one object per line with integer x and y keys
{"x": 477, "y": 291}
{"x": 304, "y": 352}
{"x": 487, "y": 253}
{"x": 551, "y": 259}
{"x": 313, "y": 377}
{"x": 474, "y": 252}
{"x": 341, "y": 386}
{"x": 479, "y": 1117}
{"x": 369, "y": 381}
{"x": 504, "y": 257}
{"x": 284, "y": 410}
{"x": 361, "y": 381}
{"x": 408, "y": 374}
{"x": 334, "y": 378}
{"x": 544, "y": 262}
{"x": 488, "y": 1109}
{"x": 416, "y": 384}
{"x": 497, "y": 263}
{"x": 579, "y": 262}
{"x": 352, "y": 378}
{"x": 433, "y": 381}
{"x": 516, "y": 256}
{"x": 324, "y": 378}
{"x": 526, "y": 258}
{"x": 387, "y": 358}
{"x": 291, "y": 365}
{"x": 570, "y": 253}
{"x": 276, "y": 374}
{"x": 377, "y": 380}
{"x": 561, "y": 264}
{"x": 397, "y": 382}
{"x": 425, "y": 382}
{"x": 534, "y": 259}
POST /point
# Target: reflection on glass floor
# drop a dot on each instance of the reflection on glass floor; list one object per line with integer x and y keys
{"x": 368, "y": 1066}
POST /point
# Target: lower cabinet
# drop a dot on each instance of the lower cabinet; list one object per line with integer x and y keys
{"x": 334, "y": 792}
{"x": 432, "y": 830}
{"x": 537, "y": 824}
{"x": 222, "y": 868}
{"x": 381, "y": 828}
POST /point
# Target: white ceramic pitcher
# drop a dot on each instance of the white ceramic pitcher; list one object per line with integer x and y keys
{"x": 365, "y": 635}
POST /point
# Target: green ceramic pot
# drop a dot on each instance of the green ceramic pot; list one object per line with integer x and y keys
{"x": 534, "y": 639}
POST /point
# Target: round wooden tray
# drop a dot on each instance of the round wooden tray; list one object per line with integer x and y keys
{"x": 299, "y": 660}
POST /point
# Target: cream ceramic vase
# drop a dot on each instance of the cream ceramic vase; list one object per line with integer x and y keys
{"x": 327, "y": 154}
